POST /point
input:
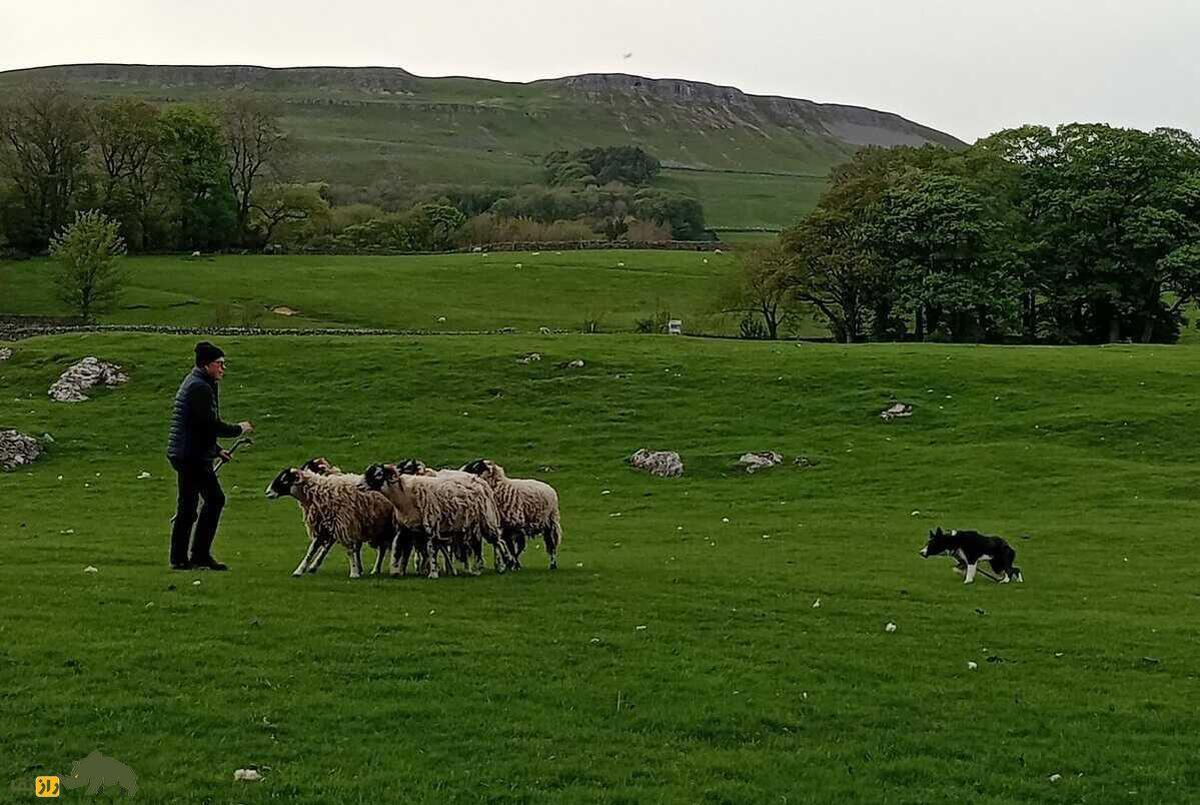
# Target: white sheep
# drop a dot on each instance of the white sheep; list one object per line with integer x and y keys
{"x": 444, "y": 509}
{"x": 527, "y": 508}
{"x": 417, "y": 467}
{"x": 336, "y": 509}
{"x": 377, "y": 534}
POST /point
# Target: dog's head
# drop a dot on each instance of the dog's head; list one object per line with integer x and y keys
{"x": 939, "y": 543}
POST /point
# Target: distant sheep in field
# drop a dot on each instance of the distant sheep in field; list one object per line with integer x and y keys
{"x": 336, "y": 509}
{"x": 527, "y": 508}
{"x": 445, "y": 509}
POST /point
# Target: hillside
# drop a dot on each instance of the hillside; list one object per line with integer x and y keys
{"x": 753, "y": 160}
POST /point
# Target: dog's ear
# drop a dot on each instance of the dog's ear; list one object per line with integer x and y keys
{"x": 939, "y": 532}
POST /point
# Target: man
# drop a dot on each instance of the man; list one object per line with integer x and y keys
{"x": 195, "y": 426}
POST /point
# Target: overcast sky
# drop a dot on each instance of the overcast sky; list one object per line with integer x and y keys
{"x": 968, "y": 67}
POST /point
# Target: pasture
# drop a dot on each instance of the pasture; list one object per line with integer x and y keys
{"x": 439, "y": 293}
{"x": 676, "y": 655}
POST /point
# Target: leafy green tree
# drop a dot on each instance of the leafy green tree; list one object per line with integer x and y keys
{"x": 192, "y": 150}
{"x": 43, "y": 154}
{"x": 89, "y": 278}
{"x": 762, "y": 288}
{"x": 125, "y": 137}
{"x": 290, "y": 207}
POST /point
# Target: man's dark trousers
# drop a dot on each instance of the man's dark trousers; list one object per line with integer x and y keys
{"x": 197, "y": 479}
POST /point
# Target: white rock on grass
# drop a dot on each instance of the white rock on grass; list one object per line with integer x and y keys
{"x": 143, "y": 475}
{"x": 753, "y": 462}
{"x": 91, "y": 569}
{"x": 89, "y": 372}
{"x": 247, "y": 775}
{"x": 972, "y": 666}
{"x": 5, "y": 353}
{"x": 1054, "y": 778}
{"x": 663, "y": 463}
{"x": 896, "y": 411}
{"x": 817, "y": 604}
{"x": 891, "y": 627}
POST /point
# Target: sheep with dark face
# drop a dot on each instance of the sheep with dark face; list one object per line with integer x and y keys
{"x": 376, "y": 532}
{"x": 445, "y": 509}
{"x": 336, "y": 508}
{"x": 417, "y": 467}
{"x": 527, "y": 508}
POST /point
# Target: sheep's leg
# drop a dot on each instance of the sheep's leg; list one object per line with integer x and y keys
{"x": 553, "y": 538}
{"x": 326, "y": 547}
{"x": 431, "y": 552}
{"x": 354, "y": 552}
{"x": 309, "y": 556}
{"x": 381, "y": 552}
{"x": 477, "y": 554}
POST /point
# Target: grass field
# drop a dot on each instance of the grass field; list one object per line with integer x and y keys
{"x": 545, "y": 687}
{"x": 471, "y": 291}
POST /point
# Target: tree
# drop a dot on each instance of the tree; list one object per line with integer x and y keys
{"x": 126, "y": 137}
{"x": 762, "y": 288}
{"x": 834, "y": 270}
{"x": 89, "y": 278}
{"x": 43, "y": 152}
{"x": 255, "y": 146}
{"x": 288, "y": 205}
{"x": 191, "y": 147}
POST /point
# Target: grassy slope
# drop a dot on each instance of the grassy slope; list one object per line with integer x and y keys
{"x": 471, "y": 291}
{"x": 541, "y": 687}
{"x": 488, "y": 132}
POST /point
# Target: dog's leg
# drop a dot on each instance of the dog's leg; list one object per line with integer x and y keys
{"x": 970, "y": 579}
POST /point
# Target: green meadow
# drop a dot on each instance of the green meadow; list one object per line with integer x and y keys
{"x": 679, "y": 654}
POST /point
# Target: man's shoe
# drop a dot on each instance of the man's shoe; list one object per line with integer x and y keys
{"x": 209, "y": 564}
{"x": 182, "y": 566}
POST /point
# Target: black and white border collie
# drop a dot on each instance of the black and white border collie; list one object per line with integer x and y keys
{"x": 969, "y": 548}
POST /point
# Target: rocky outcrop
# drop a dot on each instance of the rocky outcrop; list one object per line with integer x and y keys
{"x": 17, "y": 450}
{"x": 89, "y": 372}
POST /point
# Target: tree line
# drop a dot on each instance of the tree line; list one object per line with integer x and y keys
{"x": 1082, "y": 234}
{"x": 220, "y": 176}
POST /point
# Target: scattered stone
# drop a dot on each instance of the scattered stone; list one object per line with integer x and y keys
{"x": 753, "y": 462}
{"x": 1054, "y": 778}
{"x": 143, "y": 475}
{"x": 891, "y": 627}
{"x": 532, "y": 357}
{"x": 284, "y": 310}
{"x": 247, "y": 775}
{"x": 91, "y": 569}
{"x": 804, "y": 462}
{"x": 575, "y": 364}
{"x": 90, "y": 371}
{"x": 17, "y": 450}
{"x": 544, "y": 330}
{"x": 663, "y": 463}
{"x": 896, "y": 411}
{"x": 5, "y": 353}
{"x": 972, "y": 666}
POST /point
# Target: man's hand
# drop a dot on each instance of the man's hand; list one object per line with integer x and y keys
{"x": 226, "y": 455}
{"x": 247, "y": 427}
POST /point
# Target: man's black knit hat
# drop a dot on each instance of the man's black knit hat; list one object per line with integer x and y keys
{"x": 206, "y": 353}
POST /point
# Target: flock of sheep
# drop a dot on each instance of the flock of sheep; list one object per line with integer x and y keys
{"x": 442, "y": 515}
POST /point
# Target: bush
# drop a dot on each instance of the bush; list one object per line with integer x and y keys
{"x": 655, "y": 324}
{"x": 89, "y": 278}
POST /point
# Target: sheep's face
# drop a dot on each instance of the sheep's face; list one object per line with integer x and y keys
{"x": 321, "y": 466}
{"x": 284, "y": 483}
{"x": 377, "y": 476}
{"x": 480, "y": 466}
{"x": 411, "y": 467}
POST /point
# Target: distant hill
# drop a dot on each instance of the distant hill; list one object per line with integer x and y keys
{"x": 753, "y": 160}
